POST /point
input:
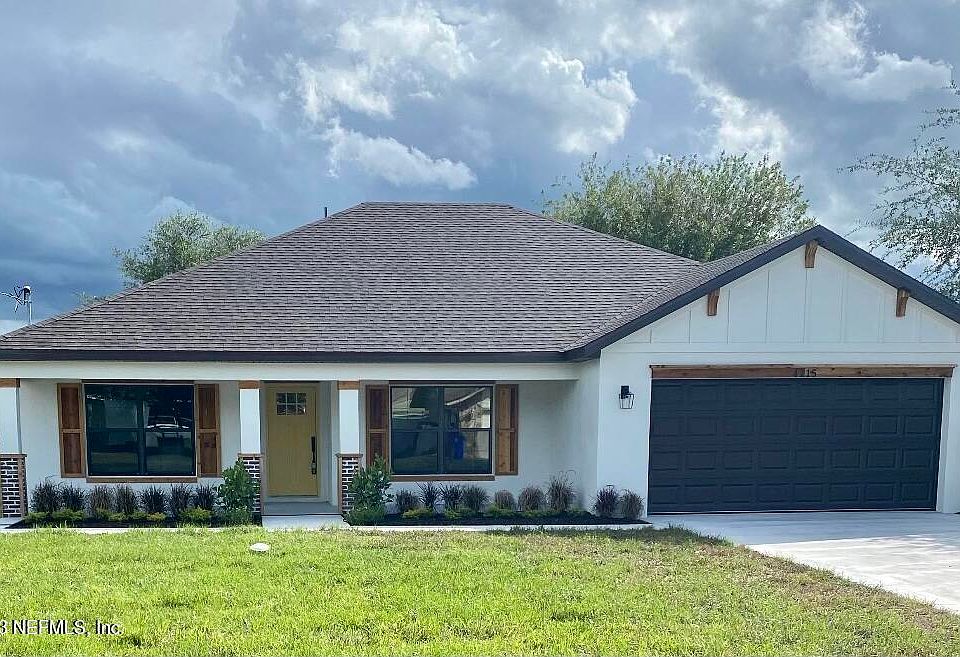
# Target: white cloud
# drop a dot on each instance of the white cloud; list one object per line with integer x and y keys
{"x": 836, "y": 59}
{"x": 744, "y": 127}
{"x": 323, "y": 88}
{"x": 396, "y": 163}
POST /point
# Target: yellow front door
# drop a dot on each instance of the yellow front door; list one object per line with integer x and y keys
{"x": 292, "y": 459}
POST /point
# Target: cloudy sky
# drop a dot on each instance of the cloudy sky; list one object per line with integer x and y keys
{"x": 262, "y": 113}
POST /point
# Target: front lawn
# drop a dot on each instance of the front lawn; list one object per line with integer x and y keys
{"x": 340, "y": 592}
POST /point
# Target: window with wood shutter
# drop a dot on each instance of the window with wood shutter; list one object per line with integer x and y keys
{"x": 507, "y": 416}
{"x": 208, "y": 428}
{"x": 378, "y": 422}
{"x": 71, "y": 429}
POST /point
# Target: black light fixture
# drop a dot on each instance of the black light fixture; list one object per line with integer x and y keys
{"x": 626, "y": 398}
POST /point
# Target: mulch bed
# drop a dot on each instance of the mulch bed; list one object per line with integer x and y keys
{"x": 93, "y": 523}
{"x": 394, "y": 519}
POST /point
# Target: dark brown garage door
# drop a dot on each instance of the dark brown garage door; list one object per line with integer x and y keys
{"x": 794, "y": 444}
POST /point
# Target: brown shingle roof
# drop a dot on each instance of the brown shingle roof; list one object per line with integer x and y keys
{"x": 414, "y": 281}
{"x": 381, "y": 278}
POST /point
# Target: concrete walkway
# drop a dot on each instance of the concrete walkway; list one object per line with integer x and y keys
{"x": 912, "y": 553}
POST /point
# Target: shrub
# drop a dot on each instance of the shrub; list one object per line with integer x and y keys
{"x": 67, "y": 516}
{"x": 36, "y": 517}
{"x": 504, "y": 500}
{"x": 365, "y": 515}
{"x": 45, "y": 497}
{"x": 501, "y": 512}
{"x": 237, "y": 494}
{"x": 180, "y": 496}
{"x": 538, "y": 513}
{"x": 73, "y": 497}
{"x": 369, "y": 489}
{"x": 459, "y": 513}
{"x": 560, "y": 493}
{"x": 100, "y": 501}
{"x": 429, "y": 494}
{"x": 416, "y": 514}
{"x": 205, "y": 497}
{"x": 532, "y": 499}
{"x": 154, "y": 500}
{"x": 103, "y": 513}
{"x": 196, "y": 516}
{"x": 631, "y": 505}
{"x": 475, "y": 498}
{"x": 606, "y": 503}
{"x": 452, "y": 495}
{"x": 156, "y": 517}
{"x": 406, "y": 500}
{"x": 138, "y": 516}
{"x": 126, "y": 500}
{"x": 117, "y": 517}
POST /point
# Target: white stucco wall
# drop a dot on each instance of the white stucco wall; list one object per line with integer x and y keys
{"x": 783, "y": 313}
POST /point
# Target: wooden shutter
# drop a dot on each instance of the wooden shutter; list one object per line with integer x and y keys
{"x": 70, "y": 407}
{"x": 208, "y": 429}
{"x": 507, "y": 416}
{"x": 378, "y": 423}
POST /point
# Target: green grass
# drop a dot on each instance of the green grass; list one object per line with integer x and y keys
{"x": 637, "y": 592}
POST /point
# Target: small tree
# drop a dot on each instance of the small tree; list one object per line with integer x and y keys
{"x": 368, "y": 488}
{"x": 237, "y": 494}
{"x": 180, "y": 241}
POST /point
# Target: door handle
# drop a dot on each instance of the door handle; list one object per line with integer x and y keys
{"x": 313, "y": 450}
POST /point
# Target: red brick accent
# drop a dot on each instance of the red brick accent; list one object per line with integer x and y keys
{"x": 347, "y": 466}
{"x": 13, "y": 485}
{"x": 253, "y": 464}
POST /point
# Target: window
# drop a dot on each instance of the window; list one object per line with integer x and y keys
{"x": 440, "y": 429}
{"x": 135, "y": 430}
{"x": 291, "y": 403}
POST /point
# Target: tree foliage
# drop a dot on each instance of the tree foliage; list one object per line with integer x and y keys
{"x": 700, "y": 209}
{"x": 179, "y": 241}
{"x": 918, "y": 214}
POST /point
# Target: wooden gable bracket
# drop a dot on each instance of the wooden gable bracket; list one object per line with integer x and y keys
{"x": 902, "y": 295}
{"x": 810, "y": 254}
{"x": 713, "y": 300}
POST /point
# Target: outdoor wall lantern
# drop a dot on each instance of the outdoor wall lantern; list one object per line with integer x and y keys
{"x": 626, "y": 398}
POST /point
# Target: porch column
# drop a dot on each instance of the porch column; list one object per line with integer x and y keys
{"x": 348, "y": 423}
{"x": 250, "y": 454}
{"x": 13, "y": 473}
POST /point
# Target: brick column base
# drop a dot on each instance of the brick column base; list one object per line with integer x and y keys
{"x": 347, "y": 466}
{"x": 253, "y": 464}
{"x": 13, "y": 485}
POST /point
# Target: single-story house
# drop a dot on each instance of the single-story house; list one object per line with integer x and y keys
{"x": 485, "y": 343}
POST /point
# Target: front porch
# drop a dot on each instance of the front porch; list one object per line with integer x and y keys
{"x": 302, "y": 438}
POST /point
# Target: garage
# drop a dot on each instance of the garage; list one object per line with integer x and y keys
{"x": 792, "y": 444}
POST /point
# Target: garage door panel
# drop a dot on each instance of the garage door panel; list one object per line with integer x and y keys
{"x": 795, "y": 444}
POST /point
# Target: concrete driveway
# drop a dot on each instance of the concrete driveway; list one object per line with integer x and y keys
{"x": 912, "y": 553}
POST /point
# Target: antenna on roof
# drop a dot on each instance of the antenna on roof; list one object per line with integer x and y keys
{"x": 324, "y": 212}
{"x": 22, "y": 296}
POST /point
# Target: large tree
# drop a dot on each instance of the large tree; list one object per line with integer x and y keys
{"x": 179, "y": 241}
{"x": 697, "y": 208}
{"x": 918, "y": 215}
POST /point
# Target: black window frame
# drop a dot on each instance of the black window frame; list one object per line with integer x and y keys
{"x": 441, "y": 430}
{"x": 141, "y": 432}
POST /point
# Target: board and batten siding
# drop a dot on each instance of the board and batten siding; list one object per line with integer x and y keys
{"x": 783, "y": 313}
{"x": 784, "y": 302}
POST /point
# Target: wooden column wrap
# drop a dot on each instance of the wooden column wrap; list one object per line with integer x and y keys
{"x": 9, "y": 383}
{"x": 249, "y": 385}
{"x": 348, "y": 385}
